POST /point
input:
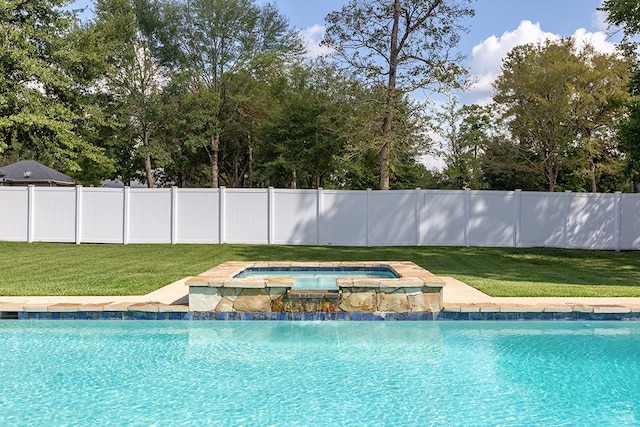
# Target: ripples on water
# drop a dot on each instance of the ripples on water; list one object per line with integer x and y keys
{"x": 319, "y": 373}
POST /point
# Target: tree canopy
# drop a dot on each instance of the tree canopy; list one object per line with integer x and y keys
{"x": 400, "y": 45}
{"x": 199, "y": 93}
{"x": 45, "y": 71}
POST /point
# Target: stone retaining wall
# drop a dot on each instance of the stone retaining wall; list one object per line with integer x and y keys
{"x": 416, "y": 290}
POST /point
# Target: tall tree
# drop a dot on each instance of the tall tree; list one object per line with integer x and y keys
{"x": 132, "y": 84}
{"x": 597, "y": 108}
{"x": 301, "y": 143}
{"x": 558, "y": 103}
{"x": 626, "y": 13}
{"x": 215, "y": 41}
{"x": 629, "y": 133}
{"x": 402, "y": 45}
{"x": 42, "y": 103}
{"x": 464, "y": 131}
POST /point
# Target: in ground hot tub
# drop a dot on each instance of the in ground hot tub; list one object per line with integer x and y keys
{"x": 310, "y": 287}
{"x": 318, "y": 278}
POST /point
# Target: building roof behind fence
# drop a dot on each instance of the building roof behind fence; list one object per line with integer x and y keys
{"x": 31, "y": 172}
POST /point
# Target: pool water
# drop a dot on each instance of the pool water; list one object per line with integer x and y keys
{"x": 319, "y": 373}
{"x": 313, "y": 278}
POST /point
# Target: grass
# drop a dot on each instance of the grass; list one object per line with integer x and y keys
{"x": 66, "y": 269}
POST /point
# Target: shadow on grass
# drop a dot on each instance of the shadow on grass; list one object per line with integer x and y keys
{"x": 544, "y": 265}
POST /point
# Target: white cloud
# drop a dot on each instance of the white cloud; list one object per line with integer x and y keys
{"x": 487, "y": 56}
{"x": 312, "y": 37}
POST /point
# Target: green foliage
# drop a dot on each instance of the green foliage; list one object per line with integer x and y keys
{"x": 42, "y": 98}
{"x": 560, "y": 107}
{"x": 465, "y": 133}
{"x": 623, "y": 13}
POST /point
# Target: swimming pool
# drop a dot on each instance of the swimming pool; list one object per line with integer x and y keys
{"x": 319, "y": 373}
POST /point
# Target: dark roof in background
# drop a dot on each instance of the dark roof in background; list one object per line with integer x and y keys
{"x": 30, "y": 171}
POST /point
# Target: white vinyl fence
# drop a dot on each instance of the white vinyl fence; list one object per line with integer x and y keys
{"x": 321, "y": 217}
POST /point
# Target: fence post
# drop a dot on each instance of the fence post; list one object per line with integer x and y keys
{"x": 125, "y": 215}
{"x": 174, "y": 214}
{"x": 417, "y": 215}
{"x": 318, "y": 215}
{"x": 270, "y": 219}
{"x": 221, "y": 208}
{"x": 617, "y": 220}
{"x": 517, "y": 213}
{"x": 565, "y": 226}
{"x": 367, "y": 217}
{"x": 30, "y": 210}
{"x": 78, "y": 213}
{"x": 467, "y": 215}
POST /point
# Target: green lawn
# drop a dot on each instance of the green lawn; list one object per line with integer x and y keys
{"x": 88, "y": 269}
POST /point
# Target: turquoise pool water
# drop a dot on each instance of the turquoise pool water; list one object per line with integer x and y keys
{"x": 311, "y": 278}
{"x": 319, "y": 373}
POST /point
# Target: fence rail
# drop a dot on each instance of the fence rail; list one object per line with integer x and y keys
{"x": 321, "y": 217}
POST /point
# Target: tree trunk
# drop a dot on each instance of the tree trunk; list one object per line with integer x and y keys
{"x": 549, "y": 171}
{"x": 147, "y": 160}
{"x": 213, "y": 159}
{"x": 294, "y": 179}
{"x": 250, "y": 171}
{"x": 636, "y": 186}
{"x": 387, "y": 121}
{"x": 594, "y": 184}
{"x": 147, "y": 170}
{"x": 384, "y": 165}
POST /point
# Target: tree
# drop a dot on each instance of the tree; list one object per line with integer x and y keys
{"x": 42, "y": 102}
{"x": 402, "y": 46}
{"x": 300, "y": 143}
{"x": 465, "y": 132}
{"x": 132, "y": 85}
{"x": 215, "y": 42}
{"x": 597, "y": 108}
{"x": 626, "y": 13}
{"x": 534, "y": 91}
{"x": 560, "y": 105}
{"x": 629, "y": 133}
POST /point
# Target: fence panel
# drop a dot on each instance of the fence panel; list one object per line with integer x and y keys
{"x": 591, "y": 221}
{"x": 246, "y": 218}
{"x": 295, "y": 217}
{"x": 542, "y": 219}
{"x": 102, "y": 219}
{"x": 443, "y": 219}
{"x": 343, "y": 218}
{"x": 54, "y": 214}
{"x": 492, "y": 218}
{"x": 630, "y": 221}
{"x": 14, "y": 214}
{"x": 198, "y": 216}
{"x": 392, "y": 218}
{"x": 149, "y": 215}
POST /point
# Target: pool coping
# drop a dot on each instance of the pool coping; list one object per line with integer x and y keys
{"x": 224, "y": 275}
{"x": 461, "y": 302}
